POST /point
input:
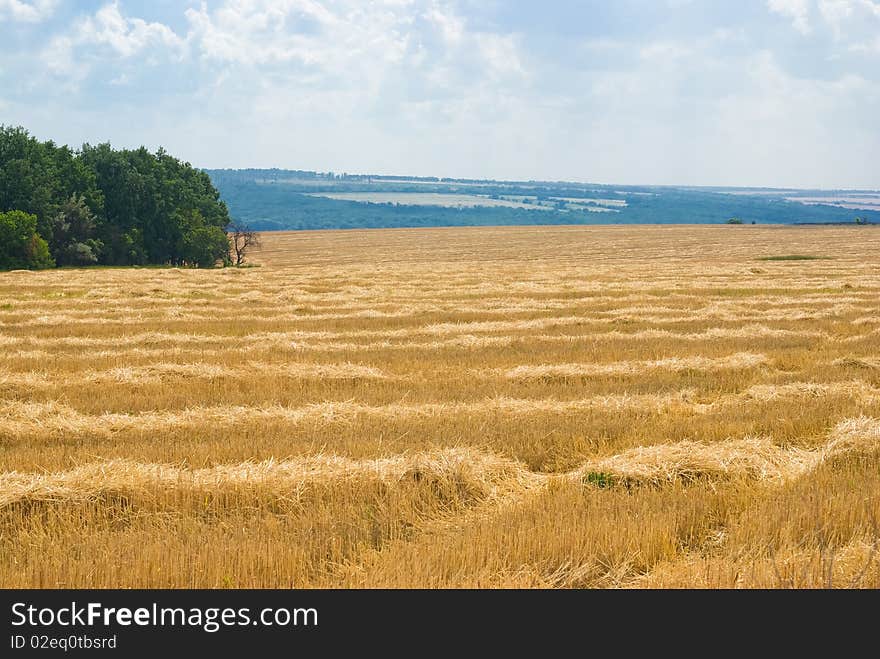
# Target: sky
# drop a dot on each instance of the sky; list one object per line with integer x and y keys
{"x": 770, "y": 93}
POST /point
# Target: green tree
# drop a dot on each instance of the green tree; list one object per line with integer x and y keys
{"x": 73, "y": 239}
{"x": 39, "y": 177}
{"x": 201, "y": 244}
{"x": 26, "y": 173}
{"x": 148, "y": 199}
{"x": 119, "y": 207}
{"x": 20, "y": 244}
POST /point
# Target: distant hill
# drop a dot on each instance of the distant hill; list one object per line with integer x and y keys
{"x": 275, "y": 199}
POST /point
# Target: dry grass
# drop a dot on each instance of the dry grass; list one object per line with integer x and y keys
{"x": 739, "y": 361}
{"x": 755, "y": 458}
{"x": 535, "y": 407}
{"x": 466, "y": 469}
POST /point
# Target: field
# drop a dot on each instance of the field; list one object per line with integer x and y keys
{"x": 626, "y": 406}
{"x": 863, "y": 201}
{"x": 448, "y": 200}
{"x": 457, "y": 200}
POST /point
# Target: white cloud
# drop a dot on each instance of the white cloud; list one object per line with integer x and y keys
{"x": 869, "y": 47}
{"x": 300, "y": 31}
{"x": 836, "y": 13}
{"x": 353, "y": 56}
{"x": 435, "y": 87}
{"x": 664, "y": 51}
{"x": 501, "y": 55}
{"x": 451, "y": 26}
{"x": 122, "y": 36}
{"x": 126, "y": 36}
{"x": 842, "y": 17}
{"x": 27, "y": 12}
{"x": 794, "y": 131}
{"x": 797, "y": 10}
{"x": 855, "y": 21}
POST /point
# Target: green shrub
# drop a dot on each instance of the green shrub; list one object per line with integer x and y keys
{"x": 20, "y": 244}
{"x": 204, "y": 246}
{"x": 599, "y": 479}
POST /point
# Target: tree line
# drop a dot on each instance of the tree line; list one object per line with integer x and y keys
{"x": 105, "y": 206}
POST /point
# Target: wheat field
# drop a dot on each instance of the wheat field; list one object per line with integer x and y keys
{"x": 472, "y": 407}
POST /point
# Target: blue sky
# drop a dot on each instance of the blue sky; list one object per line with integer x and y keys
{"x": 698, "y": 92}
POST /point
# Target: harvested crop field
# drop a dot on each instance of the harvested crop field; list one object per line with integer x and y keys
{"x": 451, "y": 200}
{"x": 625, "y": 406}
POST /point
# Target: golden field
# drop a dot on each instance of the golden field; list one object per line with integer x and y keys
{"x": 480, "y": 407}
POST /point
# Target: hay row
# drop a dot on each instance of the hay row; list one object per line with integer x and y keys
{"x": 686, "y": 461}
{"x": 163, "y": 372}
{"x": 28, "y": 420}
{"x": 755, "y": 458}
{"x": 325, "y": 340}
{"x": 486, "y": 473}
{"x": 735, "y": 362}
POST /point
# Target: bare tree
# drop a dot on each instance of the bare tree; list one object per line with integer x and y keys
{"x": 242, "y": 239}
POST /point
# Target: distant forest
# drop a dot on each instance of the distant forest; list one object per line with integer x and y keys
{"x": 99, "y": 205}
{"x": 274, "y": 199}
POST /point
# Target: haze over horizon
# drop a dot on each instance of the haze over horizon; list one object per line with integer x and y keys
{"x": 762, "y": 93}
